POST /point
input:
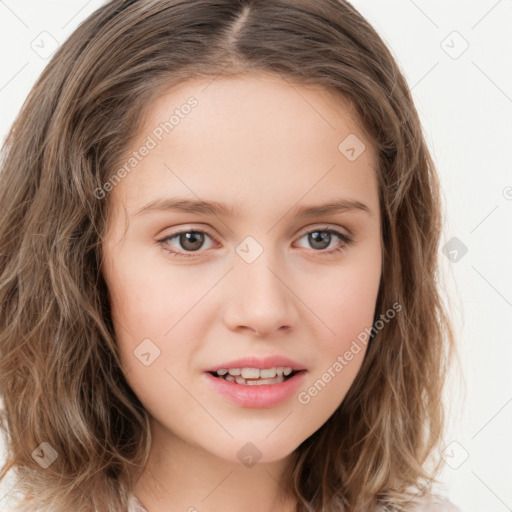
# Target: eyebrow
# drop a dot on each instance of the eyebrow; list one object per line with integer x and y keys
{"x": 219, "y": 209}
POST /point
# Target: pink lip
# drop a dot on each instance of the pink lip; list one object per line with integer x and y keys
{"x": 263, "y": 396}
{"x": 261, "y": 363}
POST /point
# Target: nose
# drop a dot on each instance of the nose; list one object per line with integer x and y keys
{"x": 259, "y": 299}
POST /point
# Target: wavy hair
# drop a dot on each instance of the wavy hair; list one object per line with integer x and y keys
{"x": 60, "y": 374}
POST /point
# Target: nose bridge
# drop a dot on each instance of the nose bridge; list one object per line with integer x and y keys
{"x": 258, "y": 272}
{"x": 259, "y": 299}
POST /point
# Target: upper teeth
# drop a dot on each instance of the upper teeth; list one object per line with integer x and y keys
{"x": 255, "y": 373}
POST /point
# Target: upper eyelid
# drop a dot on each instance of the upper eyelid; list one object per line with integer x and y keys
{"x": 301, "y": 233}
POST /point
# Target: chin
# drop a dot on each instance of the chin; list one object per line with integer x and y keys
{"x": 249, "y": 453}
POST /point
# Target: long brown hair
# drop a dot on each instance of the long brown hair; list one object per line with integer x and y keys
{"x": 60, "y": 379}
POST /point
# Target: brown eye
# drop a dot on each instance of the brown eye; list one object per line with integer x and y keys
{"x": 186, "y": 241}
{"x": 191, "y": 240}
{"x": 321, "y": 239}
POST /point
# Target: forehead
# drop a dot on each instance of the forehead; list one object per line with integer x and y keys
{"x": 256, "y": 99}
{"x": 248, "y": 137}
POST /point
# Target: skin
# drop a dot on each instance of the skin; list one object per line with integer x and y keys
{"x": 265, "y": 147}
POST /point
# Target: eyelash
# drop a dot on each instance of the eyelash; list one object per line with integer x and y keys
{"x": 346, "y": 240}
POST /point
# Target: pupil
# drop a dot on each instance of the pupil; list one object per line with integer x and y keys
{"x": 192, "y": 237}
{"x": 322, "y": 237}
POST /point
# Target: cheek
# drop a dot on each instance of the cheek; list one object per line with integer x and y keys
{"x": 341, "y": 347}
{"x": 347, "y": 312}
{"x": 155, "y": 304}
{"x": 150, "y": 297}
{"x": 345, "y": 300}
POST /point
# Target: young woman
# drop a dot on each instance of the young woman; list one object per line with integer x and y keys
{"x": 218, "y": 268}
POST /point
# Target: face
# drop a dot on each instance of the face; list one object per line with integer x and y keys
{"x": 194, "y": 288}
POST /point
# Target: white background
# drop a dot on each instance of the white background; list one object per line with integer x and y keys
{"x": 465, "y": 103}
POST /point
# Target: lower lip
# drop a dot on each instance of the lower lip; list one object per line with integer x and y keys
{"x": 262, "y": 396}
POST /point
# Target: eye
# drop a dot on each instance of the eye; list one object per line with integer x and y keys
{"x": 321, "y": 239}
{"x": 192, "y": 241}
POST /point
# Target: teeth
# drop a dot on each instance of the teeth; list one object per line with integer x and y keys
{"x": 250, "y": 373}
{"x": 254, "y": 373}
{"x": 268, "y": 373}
{"x": 255, "y": 376}
{"x": 258, "y": 382}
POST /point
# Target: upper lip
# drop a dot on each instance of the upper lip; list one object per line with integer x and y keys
{"x": 261, "y": 363}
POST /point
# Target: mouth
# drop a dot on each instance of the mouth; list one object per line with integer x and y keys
{"x": 255, "y": 376}
{"x": 256, "y": 388}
